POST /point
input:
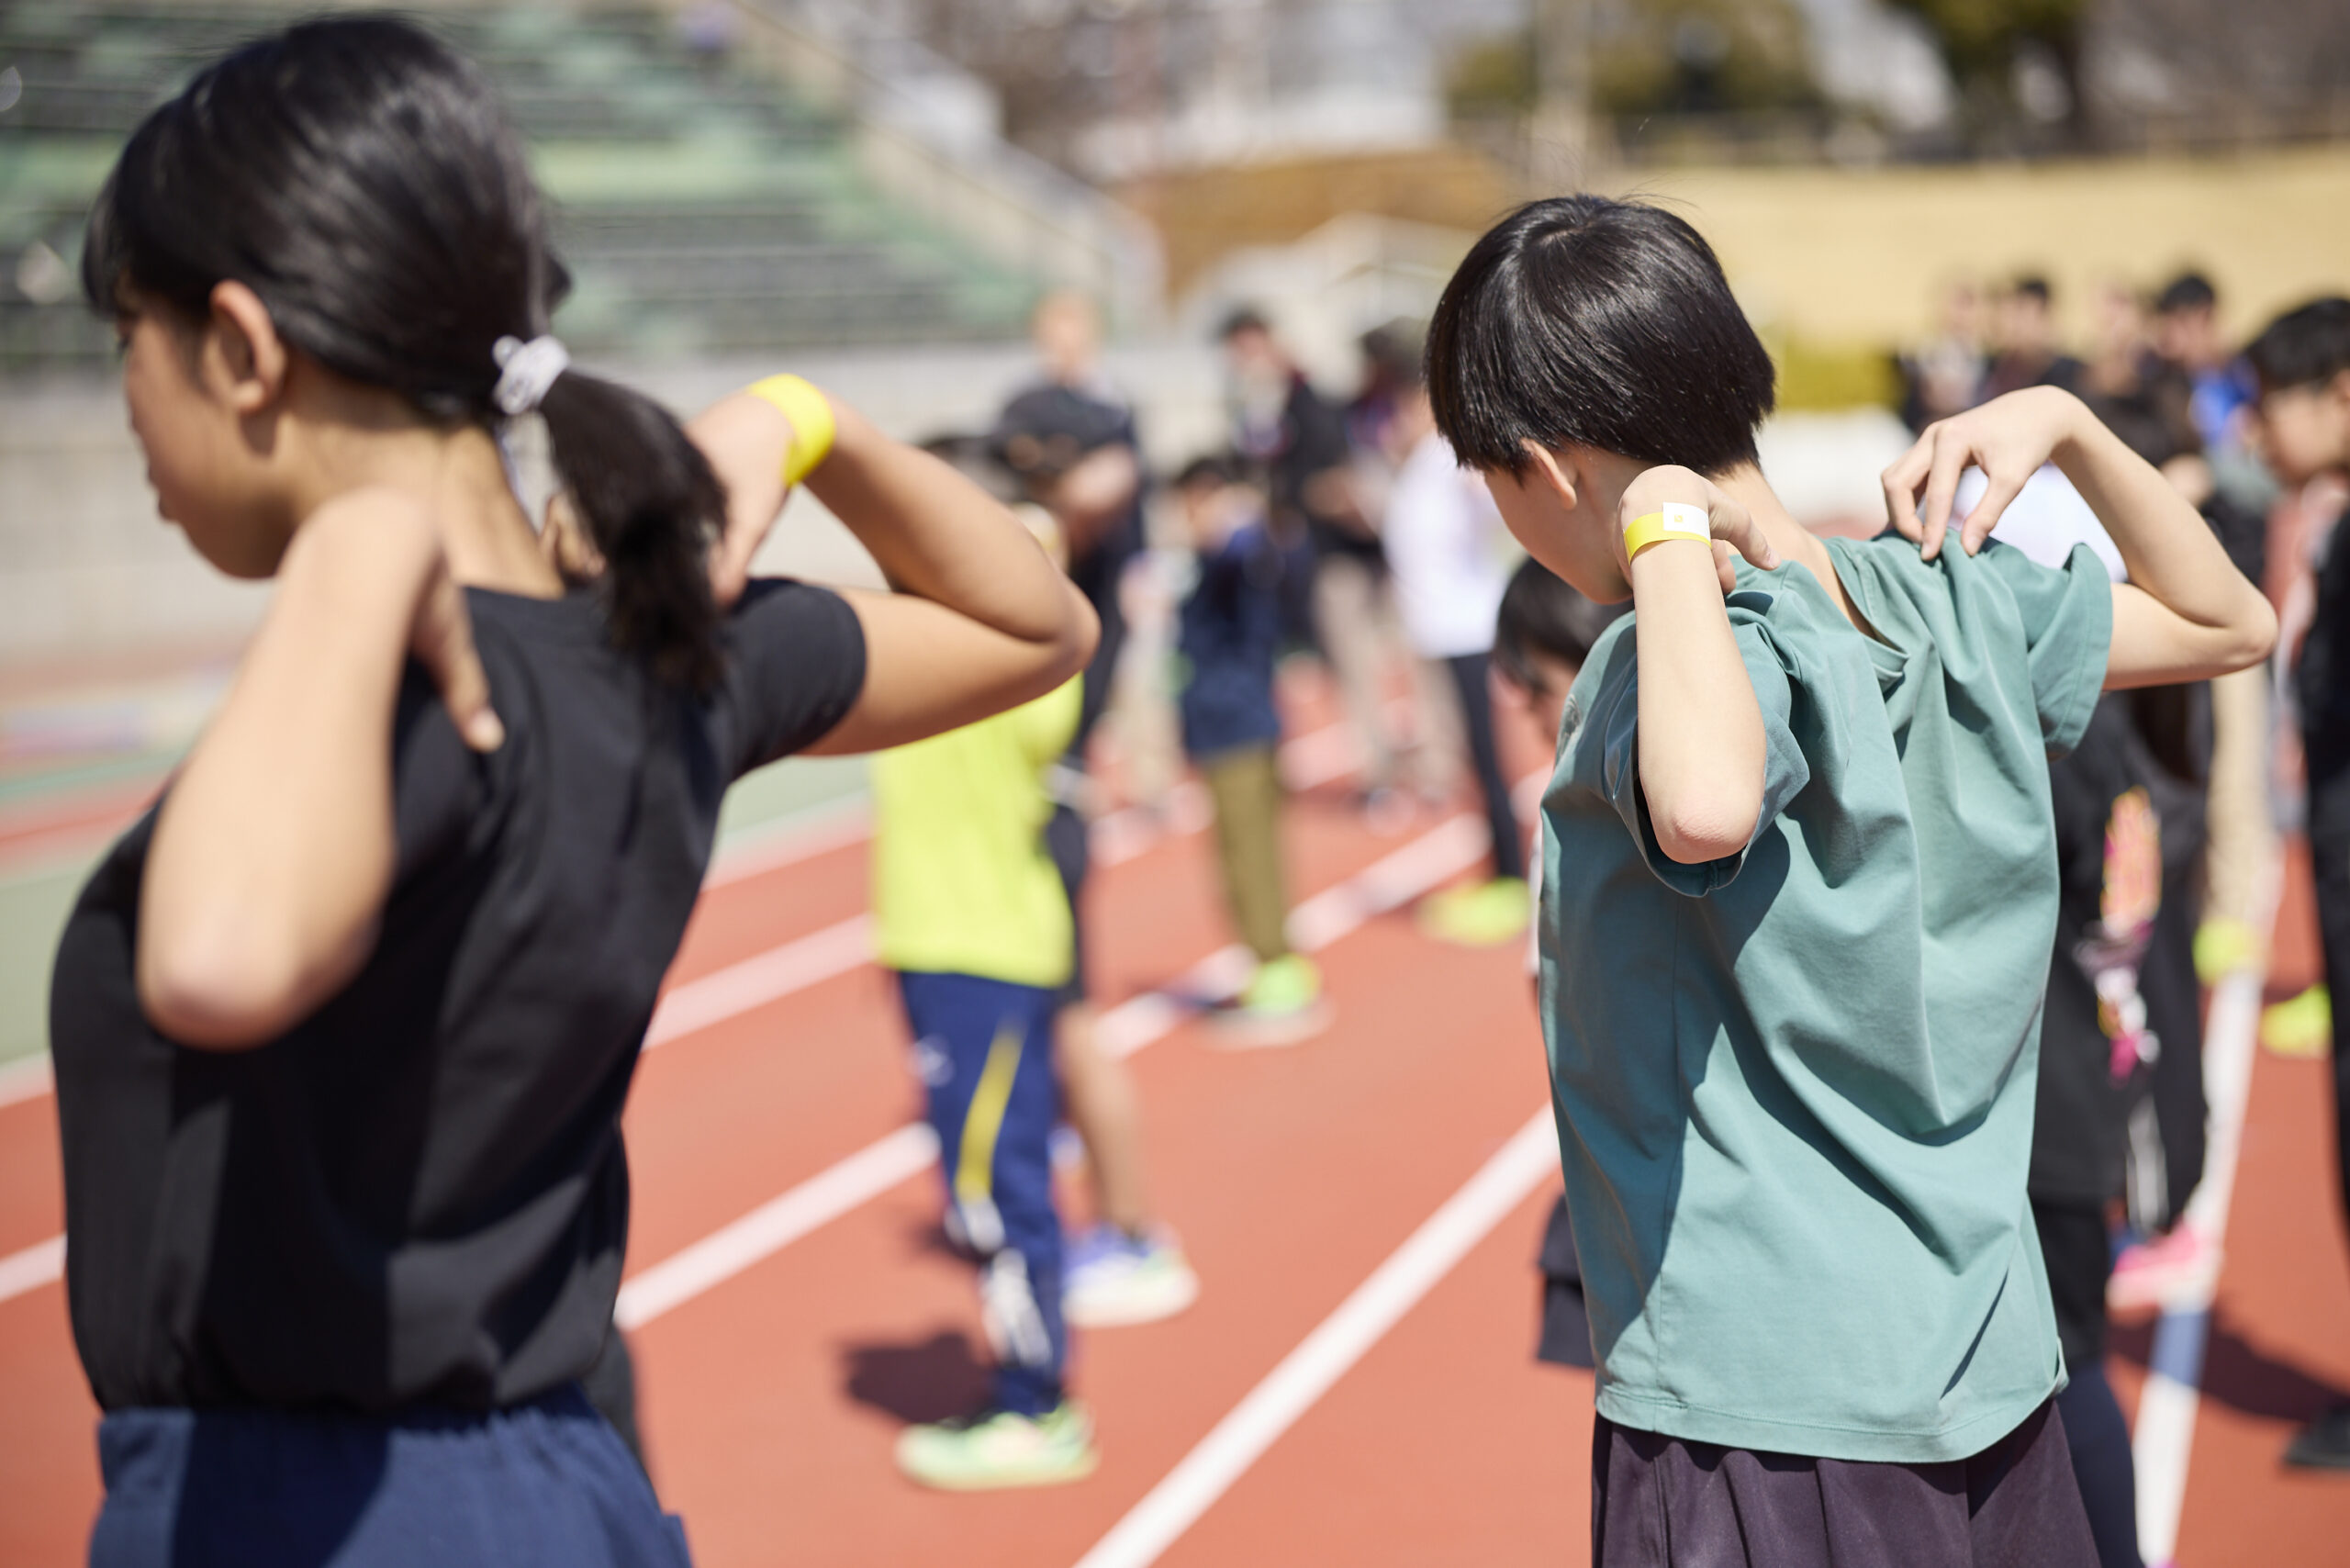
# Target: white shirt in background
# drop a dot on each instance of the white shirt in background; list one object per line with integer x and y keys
{"x": 2047, "y": 517}
{"x": 1449, "y": 553}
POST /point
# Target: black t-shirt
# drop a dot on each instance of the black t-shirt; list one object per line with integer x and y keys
{"x": 1049, "y": 428}
{"x": 2324, "y": 672}
{"x": 1311, "y": 439}
{"x": 2080, "y": 1126}
{"x": 419, "y": 1194}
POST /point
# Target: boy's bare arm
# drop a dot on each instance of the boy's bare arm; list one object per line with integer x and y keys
{"x": 1701, "y": 743}
{"x": 2185, "y": 614}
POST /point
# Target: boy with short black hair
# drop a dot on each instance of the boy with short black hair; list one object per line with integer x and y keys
{"x": 1799, "y": 897}
{"x": 2302, "y": 359}
{"x": 1542, "y": 634}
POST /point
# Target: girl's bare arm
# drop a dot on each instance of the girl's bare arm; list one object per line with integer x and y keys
{"x": 979, "y": 620}
{"x": 274, "y": 850}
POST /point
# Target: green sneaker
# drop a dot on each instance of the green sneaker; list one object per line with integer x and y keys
{"x": 2223, "y": 947}
{"x": 2300, "y": 1026}
{"x": 997, "y": 1448}
{"x": 1281, "y": 1005}
{"x": 1482, "y": 914}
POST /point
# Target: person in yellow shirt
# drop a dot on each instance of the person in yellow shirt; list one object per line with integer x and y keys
{"x": 972, "y": 915}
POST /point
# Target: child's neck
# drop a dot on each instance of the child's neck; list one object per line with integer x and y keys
{"x": 1791, "y": 539}
{"x": 459, "y": 475}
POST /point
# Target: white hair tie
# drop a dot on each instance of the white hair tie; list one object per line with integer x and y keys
{"x": 525, "y": 371}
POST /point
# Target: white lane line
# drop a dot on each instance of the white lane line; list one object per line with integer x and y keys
{"x": 761, "y": 979}
{"x": 34, "y": 1267}
{"x": 1310, "y": 759}
{"x": 847, "y": 944}
{"x": 770, "y": 847}
{"x": 2164, "y": 1435}
{"x": 774, "y": 1225}
{"x": 1126, "y": 1028}
{"x": 1325, "y": 1356}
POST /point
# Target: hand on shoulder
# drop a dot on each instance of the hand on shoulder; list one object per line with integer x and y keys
{"x": 2009, "y": 438}
{"x": 375, "y": 554}
{"x": 1728, "y": 524}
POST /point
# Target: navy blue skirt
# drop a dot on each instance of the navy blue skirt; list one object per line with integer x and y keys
{"x": 1657, "y": 1502}
{"x": 536, "y": 1485}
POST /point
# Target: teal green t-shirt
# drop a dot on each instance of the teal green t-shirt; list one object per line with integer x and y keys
{"x": 1794, "y": 1087}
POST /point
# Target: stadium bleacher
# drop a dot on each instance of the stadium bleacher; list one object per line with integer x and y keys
{"x": 701, "y": 206}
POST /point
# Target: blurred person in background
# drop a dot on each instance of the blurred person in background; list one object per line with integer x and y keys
{"x": 1430, "y": 749}
{"x": 971, "y": 917}
{"x": 2118, "y": 350}
{"x": 2187, "y": 335}
{"x": 1945, "y": 376}
{"x": 2200, "y": 389}
{"x": 1070, "y": 441}
{"x": 1230, "y": 633}
{"x": 1452, "y": 556}
{"x": 2024, "y": 336}
{"x": 2140, "y": 1141}
{"x": 1336, "y": 591}
{"x": 2121, "y": 1045}
{"x": 2146, "y": 398}
{"x": 2302, "y": 425}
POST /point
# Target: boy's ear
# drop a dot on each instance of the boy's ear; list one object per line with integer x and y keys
{"x": 1544, "y": 469}
{"x": 251, "y": 357}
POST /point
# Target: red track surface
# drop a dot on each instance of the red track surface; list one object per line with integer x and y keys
{"x": 770, "y": 1402}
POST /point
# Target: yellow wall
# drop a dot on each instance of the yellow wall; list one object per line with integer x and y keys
{"x": 1857, "y": 257}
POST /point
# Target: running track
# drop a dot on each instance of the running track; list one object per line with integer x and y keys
{"x": 1315, "y": 1407}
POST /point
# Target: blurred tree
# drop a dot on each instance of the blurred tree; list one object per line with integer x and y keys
{"x": 1492, "y": 79}
{"x": 2011, "y": 58}
{"x": 2218, "y": 72}
{"x": 1652, "y": 57}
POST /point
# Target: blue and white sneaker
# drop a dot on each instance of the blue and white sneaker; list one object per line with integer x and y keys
{"x": 1113, "y": 1279}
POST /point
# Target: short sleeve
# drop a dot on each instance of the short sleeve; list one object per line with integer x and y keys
{"x": 1784, "y": 770}
{"x": 795, "y": 667}
{"x": 2067, "y": 615}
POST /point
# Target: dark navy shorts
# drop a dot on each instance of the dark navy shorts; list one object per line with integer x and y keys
{"x": 546, "y": 1485}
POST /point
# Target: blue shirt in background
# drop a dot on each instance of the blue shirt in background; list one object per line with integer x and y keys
{"x": 1229, "y": 632}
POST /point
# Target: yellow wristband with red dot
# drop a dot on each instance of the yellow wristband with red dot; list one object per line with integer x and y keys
{"x": 1674, "y": 520}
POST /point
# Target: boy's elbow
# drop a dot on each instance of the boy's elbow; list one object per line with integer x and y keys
{"x": 1701, "y": 826}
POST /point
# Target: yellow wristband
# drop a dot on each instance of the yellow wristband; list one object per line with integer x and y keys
{"x": 1675, "y": 520}
{"x": 810, "y": 413}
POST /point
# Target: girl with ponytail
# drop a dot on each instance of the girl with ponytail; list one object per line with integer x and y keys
{"x": 343, "y": 1029}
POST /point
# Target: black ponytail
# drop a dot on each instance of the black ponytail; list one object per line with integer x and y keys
{"x": 653, "y": 508}
{"x": 360, "y": 177}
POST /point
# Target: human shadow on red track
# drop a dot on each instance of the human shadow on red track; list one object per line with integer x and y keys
{"x": 2240, "y": 1375}
{"x": 926, "y": 1381}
